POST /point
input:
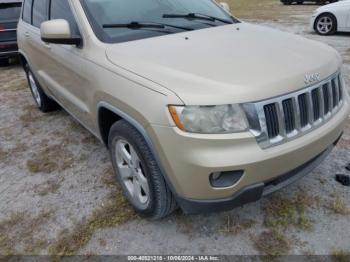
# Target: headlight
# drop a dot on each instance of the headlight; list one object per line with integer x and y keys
{"x": 221, "y": 119}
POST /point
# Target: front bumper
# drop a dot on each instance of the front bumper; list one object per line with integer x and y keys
{"x": 189, "y": 159}
{"x": 254, "y": 192}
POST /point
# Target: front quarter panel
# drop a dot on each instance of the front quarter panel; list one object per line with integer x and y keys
{"x": 139, "y": 102}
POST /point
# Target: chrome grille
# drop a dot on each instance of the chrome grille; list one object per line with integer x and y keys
{"x": 284, "y": 118}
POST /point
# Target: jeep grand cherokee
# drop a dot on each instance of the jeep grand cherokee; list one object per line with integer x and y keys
{"x": 196, "y": 108}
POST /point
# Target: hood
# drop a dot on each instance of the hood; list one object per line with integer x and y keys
{"x": 339, "y": 4}
{"x": 226, "y": 64}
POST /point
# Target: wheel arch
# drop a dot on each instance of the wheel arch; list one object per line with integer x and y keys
{"x": 107, "y": 115}
{"x": 116, "y": 114}
{"x": 23, "y": 59}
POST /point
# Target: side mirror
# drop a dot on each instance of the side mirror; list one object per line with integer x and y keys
{"x": 58, "y": 32}
{"x": 225, "y": 6}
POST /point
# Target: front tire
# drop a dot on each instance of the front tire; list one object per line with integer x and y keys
{"x": 43, "y": 102}
{"x": 138, "y": 173}
{"x": 326, "y": 24}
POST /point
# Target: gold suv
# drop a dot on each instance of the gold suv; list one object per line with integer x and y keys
{"x": 198, "y": 109}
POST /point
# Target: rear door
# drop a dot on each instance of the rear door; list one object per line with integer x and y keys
{"x": 9, "y": 15}
{"x": 34, "y": 13}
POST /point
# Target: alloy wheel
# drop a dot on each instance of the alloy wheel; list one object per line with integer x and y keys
{"x": 325, "y": 25}
{"x": 34, "y": 88}
{"x": 132, "y": 174}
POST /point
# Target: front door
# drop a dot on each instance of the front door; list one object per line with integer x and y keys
{"x": 66, "y": 76}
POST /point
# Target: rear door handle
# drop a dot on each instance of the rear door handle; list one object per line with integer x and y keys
{"x": 26, "y": 34}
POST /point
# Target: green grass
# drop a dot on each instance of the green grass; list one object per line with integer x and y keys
{"x": 21, "y": 230}
{"x": 272, "y": 243}
{"x": 338, "y": 206}
{"x": 50, "y": 159}
{"x": 115, "y": 212}
{"x": 281, "y": 212}
{"x": 235, "y": 225}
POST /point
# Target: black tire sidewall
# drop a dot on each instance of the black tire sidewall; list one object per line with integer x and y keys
{"x": 47, "y": 104}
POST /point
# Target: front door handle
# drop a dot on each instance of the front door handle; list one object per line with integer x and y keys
{"x": 26, "y": 34}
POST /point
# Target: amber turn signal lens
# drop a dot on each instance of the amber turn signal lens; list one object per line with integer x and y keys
{"x": 176, "y": 117}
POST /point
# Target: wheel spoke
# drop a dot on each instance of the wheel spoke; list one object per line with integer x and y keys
{"x": 135, "y": 161}
{"x": 136, "y": 190}
{"x": 124, "y": 153}
{"x": 143, "y": 182}
{"x": 125, "y": 172}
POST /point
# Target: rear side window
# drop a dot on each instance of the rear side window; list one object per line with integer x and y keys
{"x": 40, "y": 12}
{"x": 27, "y": 11}
{"x": 10, "y": 12}
{"x": 60, "y": 9}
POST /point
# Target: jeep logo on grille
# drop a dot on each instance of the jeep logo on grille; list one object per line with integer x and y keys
{"x": 309, "y": 79}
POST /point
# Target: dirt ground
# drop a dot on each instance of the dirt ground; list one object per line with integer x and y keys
{"x": 58, "y": 194}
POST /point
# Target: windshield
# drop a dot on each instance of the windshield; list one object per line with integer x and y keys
{"x": 171, "y": 13}
{"x": 9, "y": 12}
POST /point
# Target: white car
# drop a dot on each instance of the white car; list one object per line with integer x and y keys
{"x": 332, "y": 18}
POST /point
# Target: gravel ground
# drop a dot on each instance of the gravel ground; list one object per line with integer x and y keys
{"x": 58, "y": 194}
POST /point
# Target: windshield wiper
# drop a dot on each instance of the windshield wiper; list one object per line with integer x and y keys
{"x": 198, "y": 16}
{"x": 138, "y": 25}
